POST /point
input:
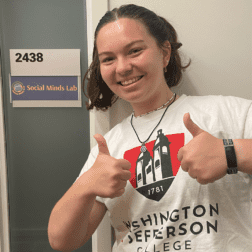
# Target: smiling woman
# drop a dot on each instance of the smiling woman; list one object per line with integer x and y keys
{"x": 158, "y": 161}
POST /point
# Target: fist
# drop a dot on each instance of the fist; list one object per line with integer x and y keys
{"x": 204, "y": 156}
{"x": 109, "y": 175}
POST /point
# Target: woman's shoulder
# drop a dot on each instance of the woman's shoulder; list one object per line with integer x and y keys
{"x": 218, "y": 114}
{"x": 119, "y": 130}
{"x": 218, "y": 100}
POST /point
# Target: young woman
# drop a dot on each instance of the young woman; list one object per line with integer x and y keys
{"x": 169, "y": 183}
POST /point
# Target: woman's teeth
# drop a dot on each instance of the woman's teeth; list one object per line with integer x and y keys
{"x": 124, "y": 83}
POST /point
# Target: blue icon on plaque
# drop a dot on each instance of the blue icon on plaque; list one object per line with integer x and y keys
{"x": 18, "y": 88}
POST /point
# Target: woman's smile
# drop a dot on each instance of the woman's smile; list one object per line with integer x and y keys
{"x": 130, "y": 81}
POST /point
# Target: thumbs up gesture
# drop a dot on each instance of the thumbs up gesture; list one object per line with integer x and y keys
{"x": 109, "y": 175}
{"x": 204, "y": 156}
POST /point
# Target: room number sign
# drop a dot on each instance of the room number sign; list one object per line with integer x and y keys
{"x": 45, "y": 77}
{"x": 31, "y": 57}
{"x": 45, "y": 62}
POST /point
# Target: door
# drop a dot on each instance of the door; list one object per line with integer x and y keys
{"x": 46, "y": 147}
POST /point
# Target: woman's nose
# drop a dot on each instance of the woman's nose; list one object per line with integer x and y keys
{"x": 123, "y": 66}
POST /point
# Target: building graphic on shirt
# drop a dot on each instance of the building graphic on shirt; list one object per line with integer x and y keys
{"x": 150, "y": 170}
{"x": 153, "y": 171}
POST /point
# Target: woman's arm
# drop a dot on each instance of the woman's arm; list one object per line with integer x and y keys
{"x": 243, "y": 150}
{"x": 68, "y": 222}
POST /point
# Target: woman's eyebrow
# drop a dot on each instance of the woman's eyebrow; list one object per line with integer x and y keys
{"x": 127, "y": 46}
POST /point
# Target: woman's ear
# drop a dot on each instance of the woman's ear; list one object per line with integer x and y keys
{"x": 166, "y": 52}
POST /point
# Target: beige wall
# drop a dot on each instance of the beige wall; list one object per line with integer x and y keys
{"x": 217, "y": 36}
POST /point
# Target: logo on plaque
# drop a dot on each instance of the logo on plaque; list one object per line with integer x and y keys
{"x": 18, "y": 88}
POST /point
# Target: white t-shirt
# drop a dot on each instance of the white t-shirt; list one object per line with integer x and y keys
{"x": 163, "y": 208}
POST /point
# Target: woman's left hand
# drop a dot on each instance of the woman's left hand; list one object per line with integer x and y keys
{"x": 204, "y": 156}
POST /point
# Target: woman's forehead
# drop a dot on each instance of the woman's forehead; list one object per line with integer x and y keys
{"x": 123, "y": 29}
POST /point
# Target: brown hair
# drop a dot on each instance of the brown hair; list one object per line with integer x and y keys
{"x": 98, "y": 92}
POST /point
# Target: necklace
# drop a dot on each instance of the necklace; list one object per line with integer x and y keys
{"x": 143, "y": 147}
{"x": 155, "y": 109}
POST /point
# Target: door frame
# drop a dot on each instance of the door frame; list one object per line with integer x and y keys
{"x": 99, "y": 121}
{"x": 4, "y": 223}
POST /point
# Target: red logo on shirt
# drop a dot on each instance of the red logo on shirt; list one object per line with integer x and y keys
{"x": 153, "y": 171}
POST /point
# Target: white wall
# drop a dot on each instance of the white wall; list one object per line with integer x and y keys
{"x": 217, "y": 36}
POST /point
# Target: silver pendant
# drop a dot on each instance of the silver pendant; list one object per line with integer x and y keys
{"x": 143, "y": 148}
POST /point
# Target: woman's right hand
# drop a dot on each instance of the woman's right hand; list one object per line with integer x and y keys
{"x": 108, "y": 175}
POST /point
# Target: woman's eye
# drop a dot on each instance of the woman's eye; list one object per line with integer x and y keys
{"x": 135, "y": 50}
{"x": 107, "y": 59}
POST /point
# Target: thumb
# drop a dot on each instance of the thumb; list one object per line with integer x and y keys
{"x": 193, "y": 128}
{"x": 102, "y": 144}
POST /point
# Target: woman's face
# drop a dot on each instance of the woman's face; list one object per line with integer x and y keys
{"x": 131, "y": 63}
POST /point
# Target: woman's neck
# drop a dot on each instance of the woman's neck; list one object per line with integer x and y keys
{"x": 152, "y": 105}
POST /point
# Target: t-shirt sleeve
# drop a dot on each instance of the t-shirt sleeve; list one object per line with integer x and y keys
{"x": 248, "y": 128}
{"x": 248, "y": 124}
{"x": 89, "y": 163}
